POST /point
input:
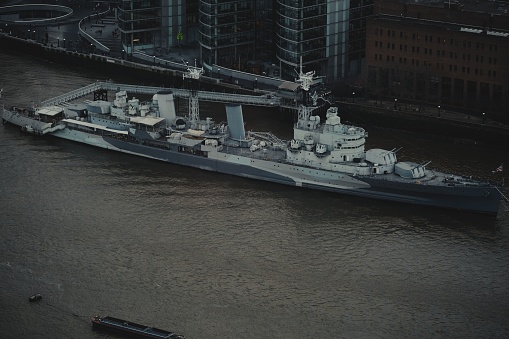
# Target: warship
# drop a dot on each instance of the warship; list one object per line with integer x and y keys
{"x": 323, "y": 155}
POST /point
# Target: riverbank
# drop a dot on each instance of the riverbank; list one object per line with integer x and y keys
{"x": 455, "y": 126}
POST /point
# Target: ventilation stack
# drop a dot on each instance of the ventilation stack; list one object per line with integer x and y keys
{"x": 166, "y": 106}
{"x": 235, "y": 121}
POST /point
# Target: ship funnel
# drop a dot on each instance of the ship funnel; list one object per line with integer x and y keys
{"x": 235, "y": 121}
{"x": 166, "y": 106}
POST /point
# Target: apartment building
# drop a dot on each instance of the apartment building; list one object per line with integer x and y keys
{"x": 447, "y": 54}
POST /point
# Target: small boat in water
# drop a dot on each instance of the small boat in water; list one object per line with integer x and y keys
{"x": 35, "y": 297}
{"x": 132, "y": 329}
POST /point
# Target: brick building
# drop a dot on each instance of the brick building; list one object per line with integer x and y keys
{"x": 449, "y": 54}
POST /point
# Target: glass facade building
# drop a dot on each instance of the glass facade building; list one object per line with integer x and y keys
{"x": 155, "y": 24}
{"x": 328, "y": 36}
{"x": 140, "y": 24}
{"x": 232, "y": 33}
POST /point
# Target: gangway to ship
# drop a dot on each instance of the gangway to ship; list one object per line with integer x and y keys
{"x": 269, "y": 100}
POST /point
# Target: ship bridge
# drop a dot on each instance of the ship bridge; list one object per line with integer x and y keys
{"x": 268, "y": 100}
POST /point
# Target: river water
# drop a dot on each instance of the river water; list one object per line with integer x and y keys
{"x": 213, "y": 256}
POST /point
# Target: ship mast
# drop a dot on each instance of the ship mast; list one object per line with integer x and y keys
{"x": 193, "y": 74}
{"x": 305, "y": 80}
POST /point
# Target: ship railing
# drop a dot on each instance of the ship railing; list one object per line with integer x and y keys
{"x": 77, "y": 93}
{"x": 273, "y": 140}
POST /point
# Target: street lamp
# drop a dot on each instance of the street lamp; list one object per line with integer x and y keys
{"x": 64, "y": 42}
{"x": 353, "y": 97}
{"x": 439, "y": 111}
{"x": 395, "y": 104}
{"x": 58, "y": 42}
{"x": 483, "y": 117}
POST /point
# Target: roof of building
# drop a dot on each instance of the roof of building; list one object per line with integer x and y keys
{"x": 91, "y": 125}
{"x": 289, "y": 86}
{"x": 50, "y": 110}
{"x": 149, "y": 121}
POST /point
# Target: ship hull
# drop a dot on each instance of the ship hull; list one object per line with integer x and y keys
{"x": 474, "y": 199}
{"x": 479, "y": 199}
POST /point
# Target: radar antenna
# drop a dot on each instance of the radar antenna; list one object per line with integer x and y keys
{"x": 305, "y": 80}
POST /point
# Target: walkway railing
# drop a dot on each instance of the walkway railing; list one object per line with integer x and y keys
{"x": 253, "y": 100}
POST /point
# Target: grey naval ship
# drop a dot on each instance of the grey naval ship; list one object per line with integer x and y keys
{"x": 324, "y": 155}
